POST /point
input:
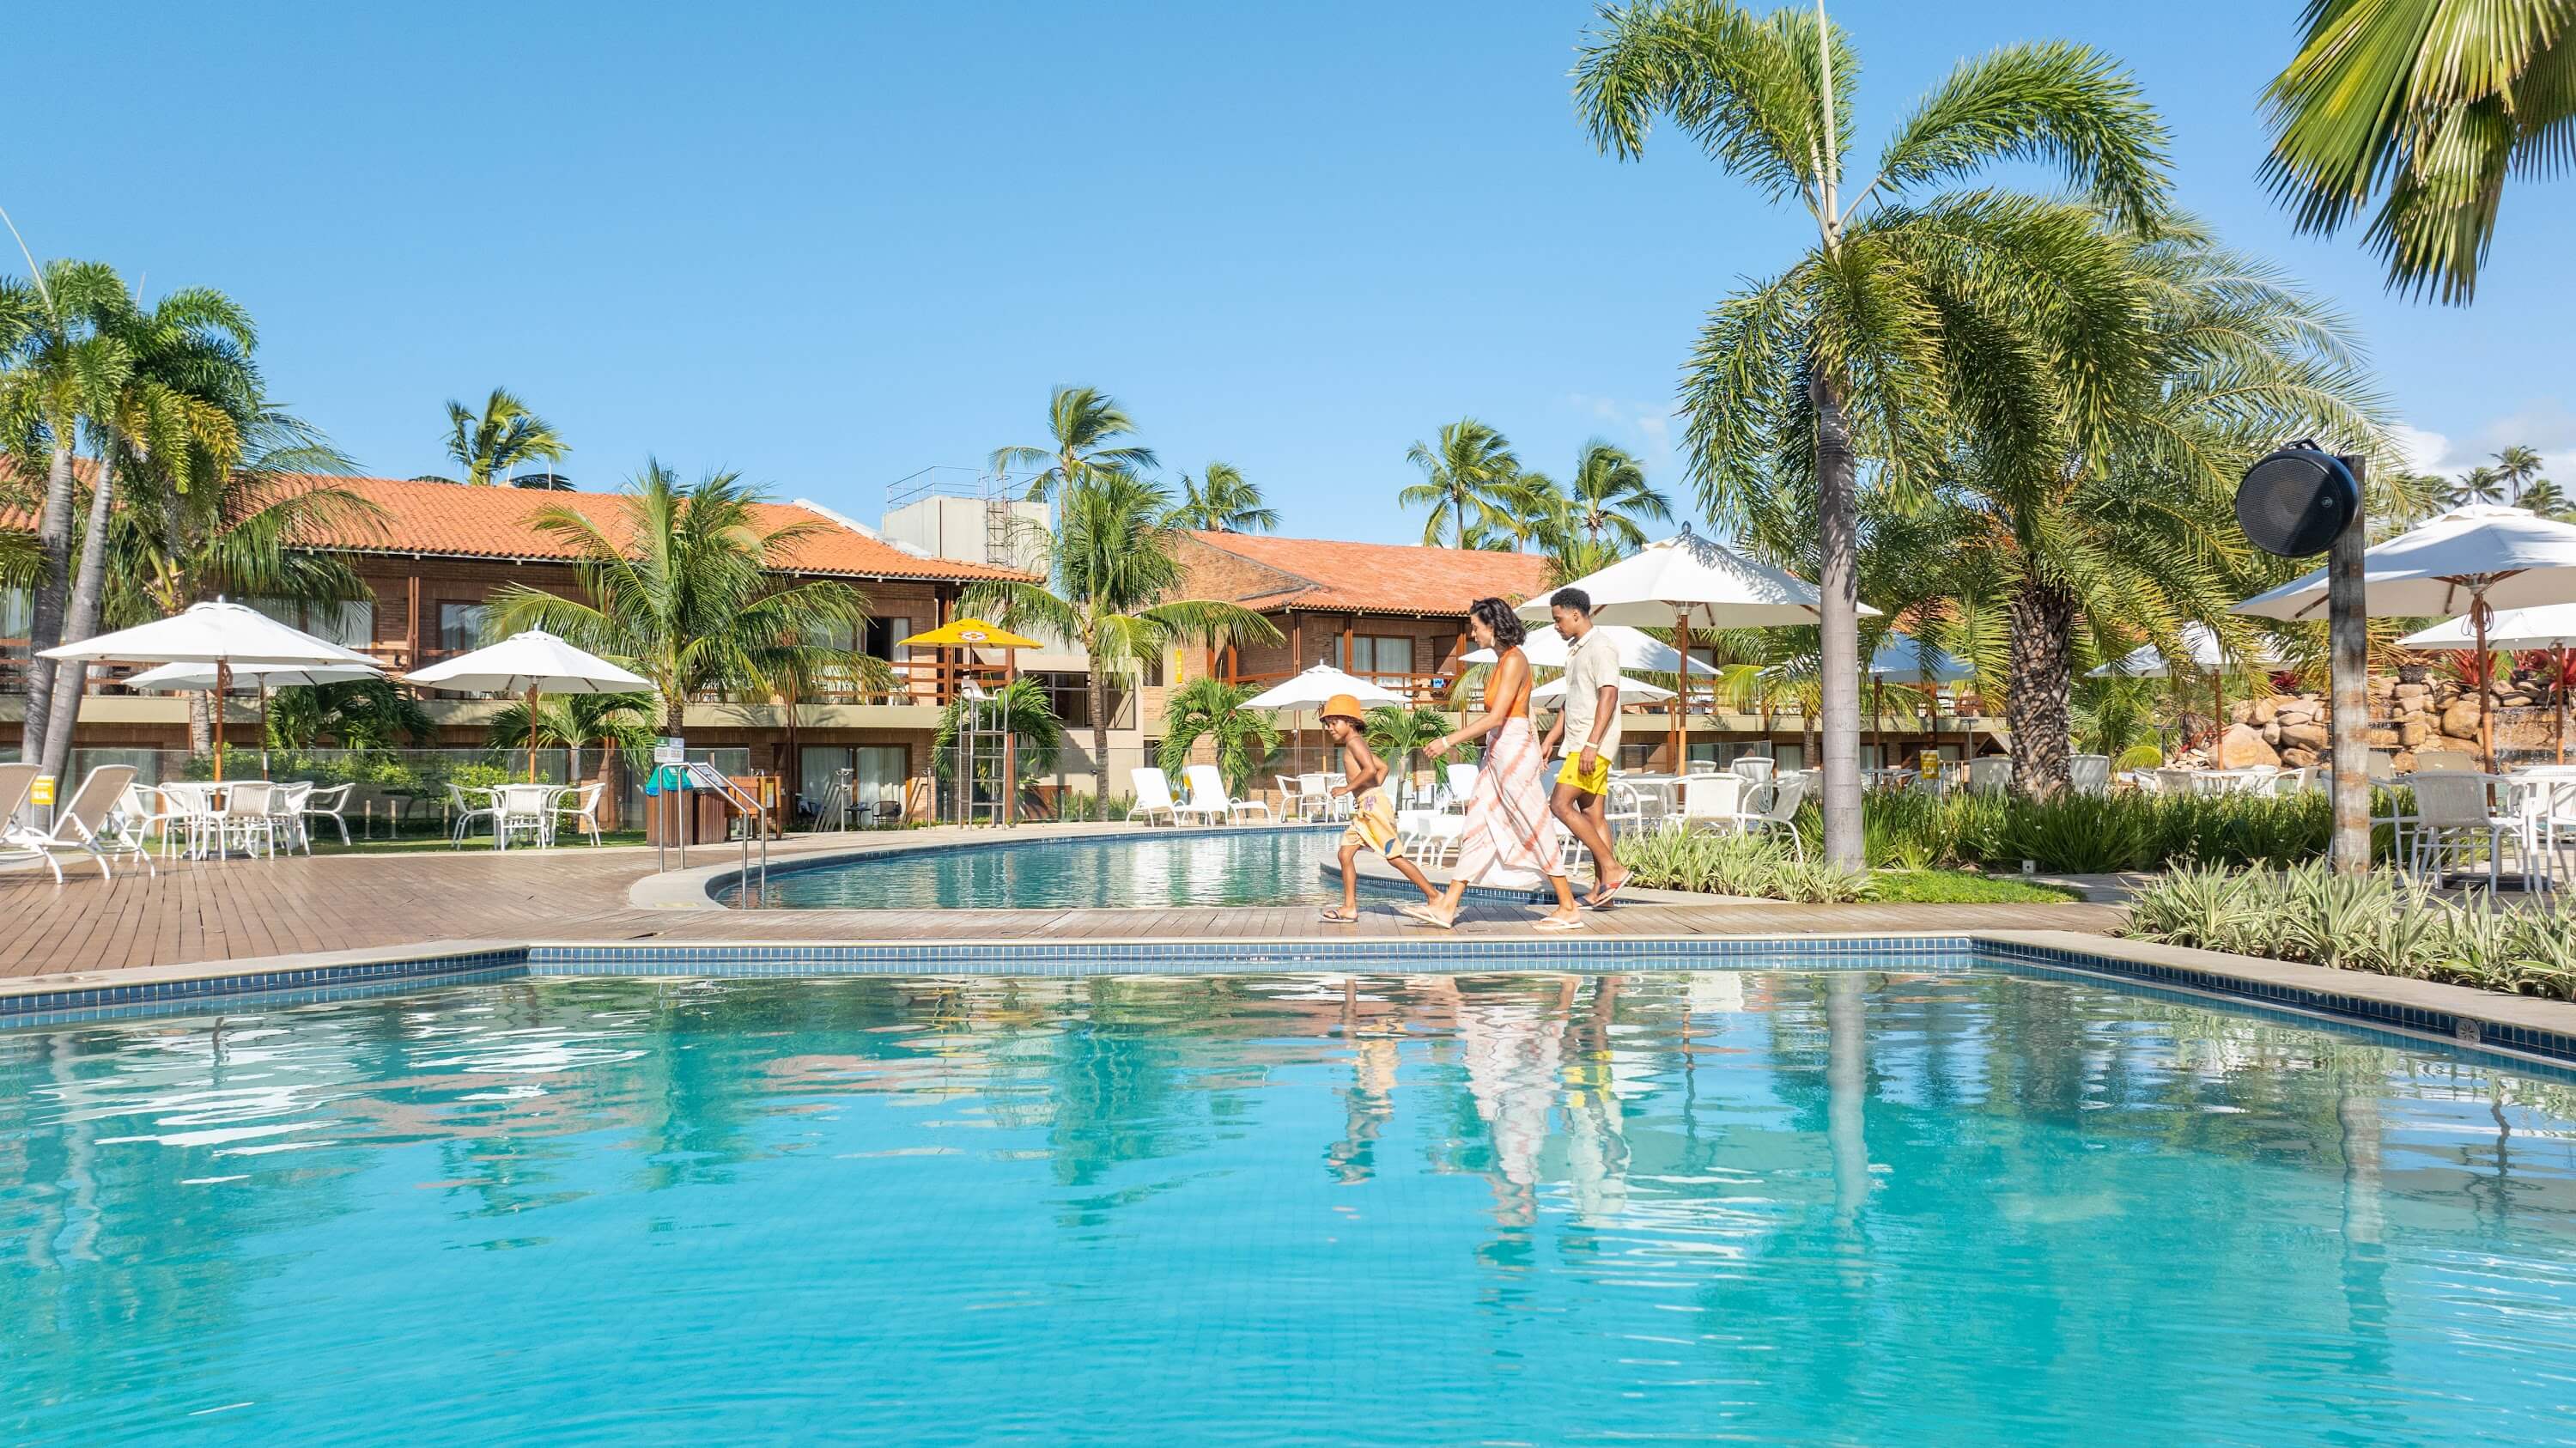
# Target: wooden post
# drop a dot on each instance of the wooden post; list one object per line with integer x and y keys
{"x": 2479, "y": 613}
{"x": 223, "y": 686}
{"x": 1350, "y": 645}
{"x": 2348, "y": 641}
{"x": 532, "y": 734}
{"x": 1010, "y": 741}
{"x": 1681, "y": 699}
{"x": 411, "y": 624}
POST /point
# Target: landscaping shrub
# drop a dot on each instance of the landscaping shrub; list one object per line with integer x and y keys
{"x": 2092, "y": 834}
{"x": 1735, "y": 865}
{"x": 2383, "y": 921}
{"x": 2138, "y": 756}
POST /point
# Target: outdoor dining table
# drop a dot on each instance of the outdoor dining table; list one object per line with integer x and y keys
{"x": 551, "y": 796}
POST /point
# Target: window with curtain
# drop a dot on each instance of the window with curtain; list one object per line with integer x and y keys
{"x": 460, "y": 626}
{"x": 1381, "y": 654}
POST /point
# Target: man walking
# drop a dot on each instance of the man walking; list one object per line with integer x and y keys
{"x": 1587, "y": 734}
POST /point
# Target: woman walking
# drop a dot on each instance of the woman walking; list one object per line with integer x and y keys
{"x": 1511, "y": 837}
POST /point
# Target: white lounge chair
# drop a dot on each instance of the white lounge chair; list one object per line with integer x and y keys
{"x": 1153, "y": 796}
{"x": 80, "y": 826}
{"x": 16, "y": 780}
{"x": 1208, "y": 796}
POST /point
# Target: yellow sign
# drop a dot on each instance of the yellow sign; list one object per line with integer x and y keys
{"x": 43, "y": 793}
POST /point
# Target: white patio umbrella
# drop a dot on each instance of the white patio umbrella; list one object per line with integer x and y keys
{"x": 1638, "y": 650}
{"x": 2204, "y": 656}
{"x": 2481, "y": 557}
{"x": 532, "y": 663}
{"x": 1312, "y": 688}
{"x": 2551, "y": 627}
{"x": 1686, "y": 582}
{"x": 200, "y": 678}
{"x": 1631, "y": 691}
{"x": 225, "y": 635}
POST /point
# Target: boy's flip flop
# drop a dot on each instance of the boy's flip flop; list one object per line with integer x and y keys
{"x": 1336, "y": 915}
{"x": 1555, "y": 923}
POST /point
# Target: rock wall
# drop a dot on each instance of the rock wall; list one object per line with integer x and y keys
{"x": 2406, "y": 717}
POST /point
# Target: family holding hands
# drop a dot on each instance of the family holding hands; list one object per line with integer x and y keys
{"x": 1514, "y": 814}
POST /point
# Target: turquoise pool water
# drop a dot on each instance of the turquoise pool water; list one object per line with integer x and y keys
{"x": 1774, "y": 1206}
{"x": 1248, "y": 866}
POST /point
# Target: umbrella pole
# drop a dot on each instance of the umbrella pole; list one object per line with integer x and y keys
{"x": 532, "y": 734}
{"x": 1681, "y": 701}
{"x": 2561, "y": 692}
{"x": 223, "y": 686}
{"x": 2486, "y": 683}
{"x": 1878, "y": 715}
{"x": 263, "y": 726}
{"x": 1010, "y": 738}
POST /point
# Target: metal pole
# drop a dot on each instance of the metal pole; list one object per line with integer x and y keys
{"x": 2348, "y": 637}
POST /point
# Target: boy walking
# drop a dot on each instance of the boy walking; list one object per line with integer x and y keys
{"x": 1587, "y": 733}
{"x": 1372, "y": 825}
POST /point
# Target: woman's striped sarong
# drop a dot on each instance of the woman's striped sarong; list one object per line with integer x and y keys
{"x": 1510, "y": 838}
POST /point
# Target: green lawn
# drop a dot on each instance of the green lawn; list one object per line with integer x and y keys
{"x": 1962, "y": 887}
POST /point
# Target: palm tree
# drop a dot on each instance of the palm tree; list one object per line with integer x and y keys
{"x": 2545, "y": 498}
{"x": 1221, "y": 500}
{"x": 506, "y": 434}
{"x": 685, "y": 590}
{"x": 2120, "y": 518}
{"x": 2478, "y": 485}
{"x": 2521, "y": 469}
{"x": 1878, "y": 333}
{"x": 1081, "y": 423}
{"x": 219, "y": 526}
{"x": 1020, "y": 706}
{"x": 358, "y": 714}
{"x": 187, "y": 387}
{"x": 1210, "y": 708}
{"x": 1114, "y": 584}
{"x": 1466, "y": 480}
{"x": 1398, "y": 735}
{"x": 1610, "y": 495}
{"x": 2425, "y": 106}
{"x": 621, "y": 723}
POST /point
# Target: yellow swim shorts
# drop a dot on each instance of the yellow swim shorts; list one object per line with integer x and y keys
{"x": 1595, "y": 782}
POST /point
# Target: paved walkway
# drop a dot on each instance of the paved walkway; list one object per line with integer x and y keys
{"x": 197, "y": 912}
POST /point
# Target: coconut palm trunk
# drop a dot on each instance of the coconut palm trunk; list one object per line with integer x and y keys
{"x": 1098, "y": 687}
{"x": 2038, "y": 701}
{"x": 1838, "y": 621}
{"x": 89, "y": 585}
{"x": 53, "y": 588}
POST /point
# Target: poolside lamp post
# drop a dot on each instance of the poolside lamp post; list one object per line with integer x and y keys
{"x": 966, "y": 635}
{"x": 221, "y": 634}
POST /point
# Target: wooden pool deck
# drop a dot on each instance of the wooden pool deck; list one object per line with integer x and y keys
{"x": 204, "y": 912}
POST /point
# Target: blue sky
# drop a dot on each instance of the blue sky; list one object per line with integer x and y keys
{"x": 830, "y": 245}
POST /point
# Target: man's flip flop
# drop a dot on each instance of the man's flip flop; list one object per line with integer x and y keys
{"x": 1553, "y": 923}
{"x": 1422, "y": 913}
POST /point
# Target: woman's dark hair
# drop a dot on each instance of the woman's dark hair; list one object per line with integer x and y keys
{"x": 1497, "y": 615}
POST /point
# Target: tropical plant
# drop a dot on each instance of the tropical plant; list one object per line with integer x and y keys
{"x": 619, "y": 723}
{"x": 2423, "y": 106}
{"x": 1019, "y": 706}
{"x": 1467, "y": 477}
{"x": 1082, "y": 423}
{"x": 1898, "y": 317}
{"x": 1114, "y": 584}
{"x": 686, "y": 589}
{"x": 486, "y": 446}
{"x": 1221, "y": 500}
{"x": 1211, "y": 709}
{"x": 2520, "y": 467}
{"x": 2547, "y": 499}
{"x": 357, "y": 714}
{"x": 1743, "y": 865}
{"x": 1398, "y": 735}
{"x": 1609, "y": 499}
{"x": 2478, "y": 485}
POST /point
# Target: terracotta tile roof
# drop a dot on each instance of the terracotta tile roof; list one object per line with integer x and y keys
{"x": 1389, "y": 578}
{"x": 447, "y": 520}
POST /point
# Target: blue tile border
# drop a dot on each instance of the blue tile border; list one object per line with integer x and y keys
{"x": 1935, "y": 953}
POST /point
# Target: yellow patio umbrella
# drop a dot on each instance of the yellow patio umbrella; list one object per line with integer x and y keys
{"x": 975, "y": 633}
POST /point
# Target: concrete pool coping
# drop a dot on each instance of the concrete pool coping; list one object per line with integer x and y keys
{"x": 2518, "y": 1028}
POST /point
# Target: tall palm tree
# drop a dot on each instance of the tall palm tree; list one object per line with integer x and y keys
{"x": 2521, "y": 468}
{"x": 1115, "y": 583}
{"x": 1466, "y": 481}
{"x": 2423, "y": 106}
{"x": 1082, "y": 423}
{"x": 65, "y": 369}
{"x": 2480, "y": 484}
{"x": 1871, "y": 340}
{"x": 1210, "y": 708}
{"x": 1221, "y": 500}
{"x": 685, "y": 590}
{"x": 1021, "y": 706}
{"x": 2121, "y": 518}
{"x": 180, "y": 403}
{"x": 217, "y": 526}
{"x": 619, "y": 723}
{"x": 1609, "y": 495}
{"x": 486, "y": 446}
{"x": 2545, "y": 498}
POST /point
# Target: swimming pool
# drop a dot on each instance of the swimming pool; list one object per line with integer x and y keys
{"x": 1920, "y": 1205}
{"x": 1244, "y": 866}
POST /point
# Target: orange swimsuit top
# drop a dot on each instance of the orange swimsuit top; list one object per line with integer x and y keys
{"x": 1520, "y": 705}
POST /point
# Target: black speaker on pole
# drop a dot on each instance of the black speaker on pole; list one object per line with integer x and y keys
{"x": 2296, "y": 500}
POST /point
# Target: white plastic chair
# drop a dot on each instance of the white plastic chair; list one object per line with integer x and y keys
{"x": 326, "y": 804}
{"x": 2444, "y": 761}
{"x": 1462, "y": 785}
{"x": 524, "y": 809}
{"x": 1293, "y": 799}
{"x": 1208, "y": 796}
{"x": 2454, "y": 811}
{"x": 1339, "y": 806}
{"x": 581, "y": 806}
{"x": 2549, "y": 819}
{"x": 1753, "y": 768}
{"x": 80, "y": 827}
{"x": 248, "y": 819}
{"x": 1153, "y": 796}
{"x": 1713, "y": 801}
{"x": 286, "y": 813}
{"x": 1778, "y": 814}
{"x": 465, "y": 815}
